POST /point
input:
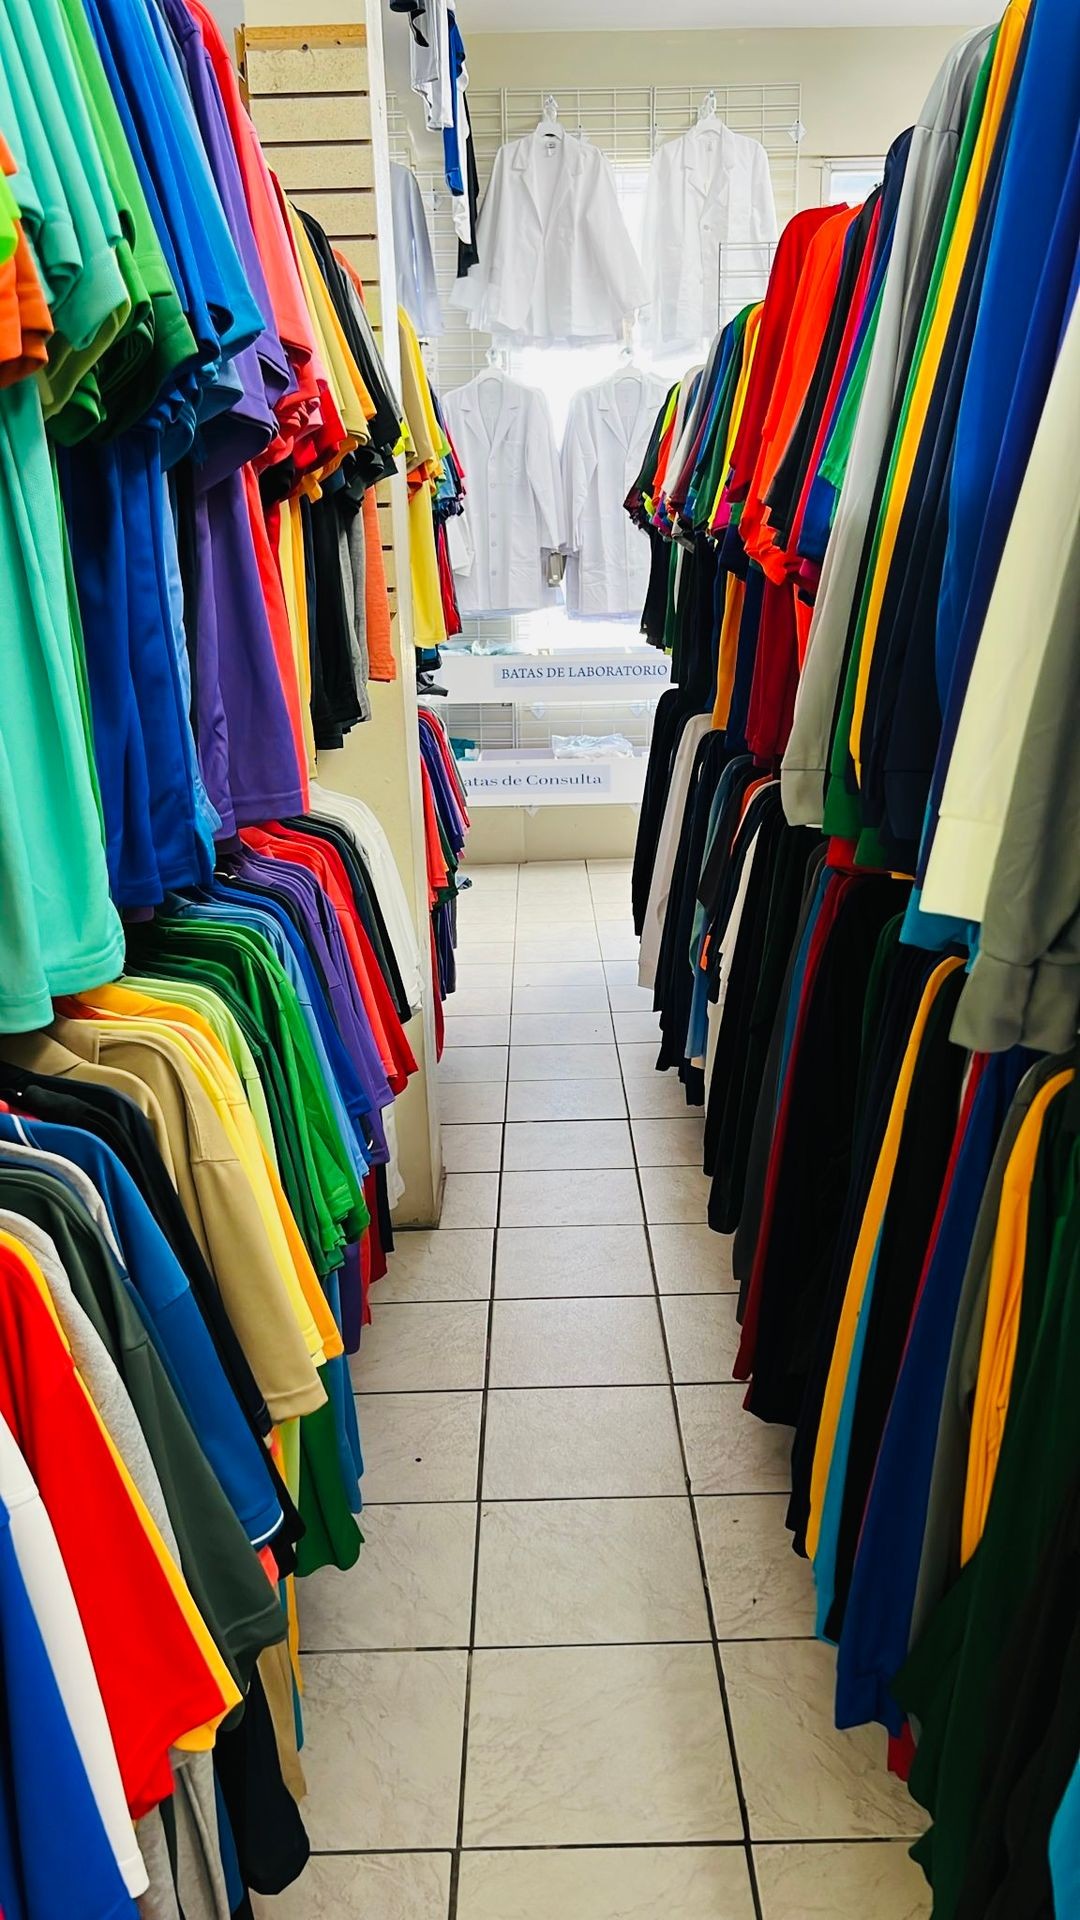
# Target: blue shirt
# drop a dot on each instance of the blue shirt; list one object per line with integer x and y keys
{"x": 55, "y": 1857}
{"x": 171, "y": 1314}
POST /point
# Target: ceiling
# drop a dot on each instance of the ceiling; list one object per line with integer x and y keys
{"x": 565, "y": 16}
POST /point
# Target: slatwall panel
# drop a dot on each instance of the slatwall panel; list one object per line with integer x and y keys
{"x": 309, "y": 97}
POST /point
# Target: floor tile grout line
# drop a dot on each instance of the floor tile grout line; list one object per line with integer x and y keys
{"x": 548, "y": 1499}
{"x": 744, "y": 1811}
{"x": 621, "y": 1846}
{"x": 455, "y": 1862}
{"x": 560, "y": 1646}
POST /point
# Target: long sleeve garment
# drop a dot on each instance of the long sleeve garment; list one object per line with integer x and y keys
{"x": 417, "y": 290}
{"x": 607, "y": 571}
{"x": 503, "y": 436}
{"x": 927, "y": 181}
{"x": 1025, "y": 984}
{"x": 710, "y": 224}
{"x": 1039, "y": 550}
{"x": 557, "y": 265}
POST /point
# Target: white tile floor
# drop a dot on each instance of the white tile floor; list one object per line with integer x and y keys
{"x": 572, "y": 1674}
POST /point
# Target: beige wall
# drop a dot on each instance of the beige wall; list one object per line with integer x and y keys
{"x": 860, "y": 86}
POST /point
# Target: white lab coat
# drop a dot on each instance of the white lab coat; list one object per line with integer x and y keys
{"x": 710, "y": 222}
{"x": 557, "y": 265}
{"x": 607, "y": 570}
{"x": 513, "y": 493}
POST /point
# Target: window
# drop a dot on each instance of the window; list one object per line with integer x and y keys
{"x": 846, "y": 183}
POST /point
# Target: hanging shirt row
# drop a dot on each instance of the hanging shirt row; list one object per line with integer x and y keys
{"x": 197, "y": 1139}
{"x": 557, "y": 264}
{"x": 857, "y": 885}
{"x": 525, "y": 502}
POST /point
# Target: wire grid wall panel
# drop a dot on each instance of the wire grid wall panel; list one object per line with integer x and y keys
{"x": 499, "y": 726}
{"x": 626, "y": 123}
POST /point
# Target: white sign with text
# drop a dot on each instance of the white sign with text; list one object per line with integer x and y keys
{"x": 550, "y": 678}
{"x": 543, "y": 782}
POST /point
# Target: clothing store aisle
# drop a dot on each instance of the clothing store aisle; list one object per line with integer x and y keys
{"x": 609, "y": 1704}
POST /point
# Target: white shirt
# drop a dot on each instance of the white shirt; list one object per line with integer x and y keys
{"x": 557, "y": 265}
{"x": 364, "y": 826}
{"x": 652, "y": 931}
{"x": 607, "y": 432}
{"x": 513, "y": 493}
{"x": 417, "y": 290}
{"x": 710, "y": 221}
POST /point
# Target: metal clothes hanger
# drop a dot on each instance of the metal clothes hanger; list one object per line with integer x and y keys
{"x": 708, "y": 118}
{"x": 550, "y": 124}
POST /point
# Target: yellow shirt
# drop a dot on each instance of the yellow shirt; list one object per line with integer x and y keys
{"x": 187, "y": 1029}
{"x": 997, "y": 1354}
{"x": 429, "y": 622}
{"x": 873, "y": 1214}
{"x": 353, "y": 400}
{"x": 217, "y": 1195}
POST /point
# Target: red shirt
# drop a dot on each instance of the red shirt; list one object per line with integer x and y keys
{"x": 154, "y": 1682}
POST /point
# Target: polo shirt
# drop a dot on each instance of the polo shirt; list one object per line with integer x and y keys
{"x": 76, "y": 245}
{"x": 113, "y": 499}
{"x": 56, "y": 1616}
{"x": 953, "y": 248}
{"x": 949, "y": 1679}
{"x": 113, "y": 1119}
{"x": 46, "y": 1791}
{"x": 60, "y": 928}
{"x": 203, "y": 928}
{"x": 222, "y": 1208}
{"x": 998, "y": 1351}
{"x": 880, "y": 1606}
{"x": 859, "y": 1276}
{"x": 128, "y": 1030}
{"x": 182, "y": 1337}
{"x": 228, "y": 1031}
{"x": 906, "y": 1225}
{"x": 226, "y": 1581}
{"x": 153, "y": 1674}
{"x": 155, "y": 339}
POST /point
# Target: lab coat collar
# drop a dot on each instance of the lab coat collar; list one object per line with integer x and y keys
{"x": 607, "y": 402}
{"x": 527, "y": 149}
{"x": 511, "y": 396}
{"x": 709, "y": 155}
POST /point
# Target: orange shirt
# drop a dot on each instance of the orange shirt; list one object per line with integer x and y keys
{"x": 25, "y": 320}
{"x": 798, "y": 363}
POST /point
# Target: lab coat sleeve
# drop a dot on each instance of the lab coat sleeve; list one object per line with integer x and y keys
{"x": 762, "y": 203}
{"x": 578, "y": 470}
{"x": 474, "y": 293}
{"x": 460, "y": 544}
{"x": 617, "y": 262}
{"x": 542, "y": 463}
{"x": 658, "y": 211}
